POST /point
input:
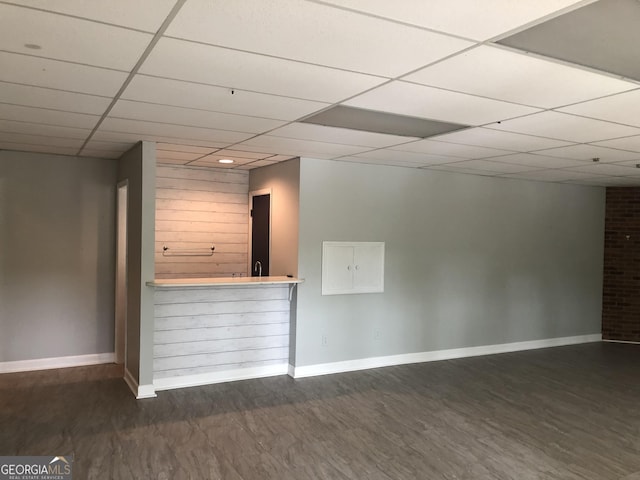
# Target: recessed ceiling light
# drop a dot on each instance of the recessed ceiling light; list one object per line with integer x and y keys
{"x": 225, "y": 160}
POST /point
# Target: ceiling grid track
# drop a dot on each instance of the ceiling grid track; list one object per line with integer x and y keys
{"x": 174, "y": 11}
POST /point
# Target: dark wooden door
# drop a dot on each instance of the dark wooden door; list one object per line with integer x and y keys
{"x": 260, "y": 218}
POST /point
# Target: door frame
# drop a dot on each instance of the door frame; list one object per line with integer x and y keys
{"x": 257, "y": 193}
{"x": 120, "y": 329}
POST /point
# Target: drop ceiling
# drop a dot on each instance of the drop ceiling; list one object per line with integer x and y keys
{"x": 542, "y": 90}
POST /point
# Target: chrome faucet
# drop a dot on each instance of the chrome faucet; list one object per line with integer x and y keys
{"x": 258, "y": 268}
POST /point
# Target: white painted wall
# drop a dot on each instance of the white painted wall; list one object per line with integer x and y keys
{"x": 469, "y": 261}
{"x": 57, "y": 256}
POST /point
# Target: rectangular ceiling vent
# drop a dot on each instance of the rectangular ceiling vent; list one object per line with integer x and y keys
{"x": 381, "y": 122}
{"x": 603, "y": 36}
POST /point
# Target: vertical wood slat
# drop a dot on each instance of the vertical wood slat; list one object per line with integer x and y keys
{"x": 196, "y": 206}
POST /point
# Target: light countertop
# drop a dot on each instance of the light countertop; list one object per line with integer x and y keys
{"x": 220, "y": 282}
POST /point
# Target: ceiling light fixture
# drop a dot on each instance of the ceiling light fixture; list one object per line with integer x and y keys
{"x": 381, "y": 122}
{"x": 225, "y": 160}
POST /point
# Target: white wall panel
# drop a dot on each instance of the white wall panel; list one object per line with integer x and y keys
{"x": 207, "y": 330}
{"x": 225, "y": 319}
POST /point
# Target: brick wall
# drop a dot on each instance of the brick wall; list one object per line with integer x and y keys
{"x": 621, "y": 290}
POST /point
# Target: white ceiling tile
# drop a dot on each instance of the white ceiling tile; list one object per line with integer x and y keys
{"x": 218, "y": 99}
{"x": 242, "y": 154}
{"x": 172, "y": 161}
{"x": 261, "y": 163}
{"x": 40, "y": 140}
{"x": 292, "y": 146}
{"x": 608, "y": 181}
{"x": 506, "y": 75}
{"x": 89, "y": 152}
{"x": 184, "y": 148}
{"x": 173, "y": 155}
{"x": 224, "y": 166}
{"x": 353, "y": 42}
{"x": 321, "y": 133}
{"x": 150, "y": 130}
{"x": 537, "y": 161}
{"x": 587, "y": 153}
{"x": 23, "y": 147}
{"x": 43, "y": 130}
{"x": 426, "y": 102}
{"x": 466, "y": 171}
{"x": 280, "y": 158}
{"x": 566, "y": 127}
{"x": 622, "y": 108}
{"x": 556, "y": 175}
{"x": 489, "y": 166}
{"x": 122, "y": 137}
{"x": 20, "y": 113}
{"x": 391, "y": 162}
{"x": 487, "y": 137}
{"x": 247, "y": 148}
{"x": 449, "y": 149}
{"x": 407, "y": 157}
{"x": 70, "y": 39}
{"x": 195, "y": 62}
{"x": 627, "y": 143}
{"x": 54, "y": 99}
{"x": 145, "y": 15}
{"x": 466, "y": 18}
{"x": 254, "y": 164}
{"x": 120, "y": 147}
{"x": 630, "y": 163}
{"x": 212, "y": 160}
{"x": 607, "y": 169}
{"x": 60, "y": 75}
{"x": 191, "y": 117}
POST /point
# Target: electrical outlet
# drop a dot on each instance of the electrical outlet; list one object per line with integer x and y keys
{"x": 324, "y": 340}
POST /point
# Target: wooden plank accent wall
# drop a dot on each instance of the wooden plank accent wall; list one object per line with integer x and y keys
{"x": 195, "y": 208}
{"x": 206, "y": 330}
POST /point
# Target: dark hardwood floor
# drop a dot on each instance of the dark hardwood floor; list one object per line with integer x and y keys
{"x": 560, "y": 413}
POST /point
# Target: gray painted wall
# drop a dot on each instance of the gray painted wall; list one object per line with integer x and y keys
{"x": 469, "y": 260}
{"x": 138, "y": 167}
{"x": 57, "y": 255}
{"x": 284, "y": 181}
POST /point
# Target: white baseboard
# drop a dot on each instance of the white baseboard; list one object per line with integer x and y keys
{"x": 140, "y": 391}
{"x": 57, "y": 362}
{"x": 419, "y": 357}
{"x": 620, "y": 341}
{"x": 219, "y": 377}
{"x": 146, "y": 391}
{"x": 291, "y": 370}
